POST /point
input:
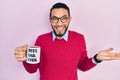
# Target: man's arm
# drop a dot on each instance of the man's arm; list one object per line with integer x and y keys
{"x": 20, "y": 55}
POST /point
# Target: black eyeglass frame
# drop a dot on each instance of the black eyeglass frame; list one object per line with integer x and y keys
{"x": 63, "y": 19}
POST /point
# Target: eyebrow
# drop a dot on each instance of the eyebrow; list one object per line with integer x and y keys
{"x": 60, "y": 17}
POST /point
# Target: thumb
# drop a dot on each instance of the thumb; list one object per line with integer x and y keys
{"x": 108, "y": 50}
{"x": 25, "y": 47}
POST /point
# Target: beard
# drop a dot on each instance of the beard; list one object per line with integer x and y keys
{"x": 59, "y": 34}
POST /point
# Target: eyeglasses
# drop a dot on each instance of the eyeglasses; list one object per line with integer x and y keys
{"x": 55, "y": 19}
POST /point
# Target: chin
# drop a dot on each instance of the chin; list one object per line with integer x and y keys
{"x": 59, "y": 34}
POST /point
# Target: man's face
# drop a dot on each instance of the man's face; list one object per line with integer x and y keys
{"x": 59, "y": 21}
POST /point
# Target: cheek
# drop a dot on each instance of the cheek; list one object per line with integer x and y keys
{"x": 66, "y": 25}
{"x": 52, "y": 25}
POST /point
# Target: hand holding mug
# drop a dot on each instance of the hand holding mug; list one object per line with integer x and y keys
{"x": 30, "y": 54}
{"x": 20, "y": 53}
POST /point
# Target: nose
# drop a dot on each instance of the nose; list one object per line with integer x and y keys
{"x": 59, "y": 22}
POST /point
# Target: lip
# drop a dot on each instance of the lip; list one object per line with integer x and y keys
{"x": 59, "y": 29}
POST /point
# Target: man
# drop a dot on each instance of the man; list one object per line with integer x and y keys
{"x": 62, "y": 50}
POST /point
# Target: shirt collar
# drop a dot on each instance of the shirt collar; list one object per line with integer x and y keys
{"x": 65, "y": 36}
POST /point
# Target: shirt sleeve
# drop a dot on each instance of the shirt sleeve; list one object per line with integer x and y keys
{"x": 85, "y": 63}
{"x": 31, "y": 68}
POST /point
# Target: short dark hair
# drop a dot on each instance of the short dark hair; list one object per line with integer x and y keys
{"x": 60, "y": 5}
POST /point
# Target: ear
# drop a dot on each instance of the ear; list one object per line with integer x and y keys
{"x": 49, "y": 20}
{"x": 70, "y": 19}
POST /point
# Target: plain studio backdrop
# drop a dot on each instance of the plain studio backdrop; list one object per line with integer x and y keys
{"x": 21, "y": 21}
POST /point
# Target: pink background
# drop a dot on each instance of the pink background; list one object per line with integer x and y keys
{"x": 21, "y": 21}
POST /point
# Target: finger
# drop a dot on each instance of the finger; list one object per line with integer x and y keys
{"x": 21, "y": 59}
{"x": 108, "y": 50}
{"x": 20, "y": 55}
{"x": 25, "y": 47}
{"x": 21, "y": 48}
{"x": 18, "y": 52}
{"x": 18, "y": 48}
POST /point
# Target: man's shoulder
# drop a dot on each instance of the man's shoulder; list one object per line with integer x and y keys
{"x": 45, "y": 35}
{"x": 42, "y": 39}
{"x": 74, "y": 33}
{"x": 76, "y": 37}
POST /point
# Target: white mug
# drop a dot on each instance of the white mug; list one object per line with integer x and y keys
{"x": 33, "y": 55}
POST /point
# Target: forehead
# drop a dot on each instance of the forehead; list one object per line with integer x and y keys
{"x": 59, "y": 12}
